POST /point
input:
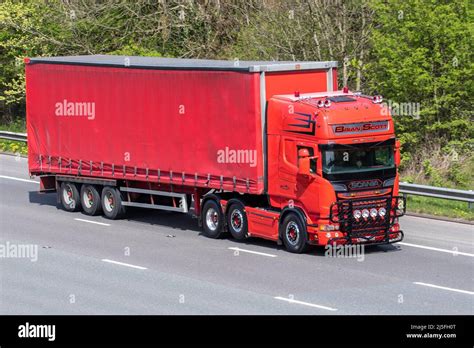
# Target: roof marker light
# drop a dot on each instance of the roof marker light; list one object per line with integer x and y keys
{"x": 297, "y": 94}
{"x": 327, "y": 103}
{"x": 377, "y": 99}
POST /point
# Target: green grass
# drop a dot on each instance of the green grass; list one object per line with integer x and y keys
{"x": 11, "y": 146}
{"x": 439, "y": 207}
{"x": 16, "y": 147}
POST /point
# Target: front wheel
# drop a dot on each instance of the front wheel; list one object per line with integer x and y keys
{"x": 294, "y": 234}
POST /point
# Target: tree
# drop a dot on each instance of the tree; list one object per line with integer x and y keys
{"x": 422, "y": 53}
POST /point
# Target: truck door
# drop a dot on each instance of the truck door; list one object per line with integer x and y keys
{"x": 287, "y": 168}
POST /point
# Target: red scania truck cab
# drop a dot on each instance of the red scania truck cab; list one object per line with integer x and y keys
{"x": 333, "y": 157}
{"x": 252, "y": 148}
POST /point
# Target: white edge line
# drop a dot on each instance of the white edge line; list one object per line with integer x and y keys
{"x": 251, "y": 252}
{"x": 454, "y": 253}
{"x": 304, "y": 303}
{"x": 92, "y": 222}
{"x": 444, "y": 288}
{"x": 123, "y": 264}
{"x": 18, "y": 179}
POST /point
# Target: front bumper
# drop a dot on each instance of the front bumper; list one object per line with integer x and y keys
{"x": 371, "y": 230}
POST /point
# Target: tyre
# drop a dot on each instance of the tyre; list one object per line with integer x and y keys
{"x": 212, "y": 219}
{"x": 237, "y": 221}
{"x": 70, "y": 198}
{"x": 111, "y": 199}
{"x": 294, "y": 235}
{"x": 90, "y": 199}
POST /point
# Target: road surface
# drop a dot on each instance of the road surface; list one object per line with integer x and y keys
{"x": 157, "y": 262}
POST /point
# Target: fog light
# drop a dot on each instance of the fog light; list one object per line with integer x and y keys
{"x": 365, "y": 213}
{"x": 357, "y": 214}
{"x": 373, "y": 212}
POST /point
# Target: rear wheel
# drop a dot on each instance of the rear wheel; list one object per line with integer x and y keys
{"x": 237, "y": 221}
{"x": 90, "y": 199}
{"x": 212, "y": 219}
{"x": 294, "y": 234}
{"x": 112, "y": 203}
{"x": 70, "y": 198}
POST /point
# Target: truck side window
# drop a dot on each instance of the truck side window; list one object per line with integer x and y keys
{"x": 312, "y": 161}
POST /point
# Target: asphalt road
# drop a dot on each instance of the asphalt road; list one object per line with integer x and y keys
{"x": 156, "y": 262}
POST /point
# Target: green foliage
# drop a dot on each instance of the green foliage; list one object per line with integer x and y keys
{"x": 14, "y": 147}
{"x": 422, "y": 53}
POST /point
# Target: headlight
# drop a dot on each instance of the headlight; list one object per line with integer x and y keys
{"x": 401, "y": 204}
{"x": 365, "y": 213}
{"x": 382, "y": 212}
{"x": 373, "y": 212}
{"x": 357, "y": 214}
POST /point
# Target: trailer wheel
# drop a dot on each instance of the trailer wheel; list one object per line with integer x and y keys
{"x": 294, "y": 234}
{"x": 237, "y": 221}
{"x": 70, "y": 198}
{"x": 212, "y": 218}
{"x": 112, "y": 203}
{"x": 90, "y": 200}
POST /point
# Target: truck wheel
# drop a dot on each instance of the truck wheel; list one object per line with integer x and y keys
{"x": 112, "y": 203}
{"x": 90, "y": 200}
{"x": 294, "y": 234}
{"x": 237, "y": 221}
{"x": 212, "y": 218}
{"x": 70, "y": 198}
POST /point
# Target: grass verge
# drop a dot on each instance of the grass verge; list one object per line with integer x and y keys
{"x": 16, "y": 147}
{"x": 439, "y": 207}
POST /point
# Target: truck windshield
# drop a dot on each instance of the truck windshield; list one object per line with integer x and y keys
{"x": 350, "y": 160}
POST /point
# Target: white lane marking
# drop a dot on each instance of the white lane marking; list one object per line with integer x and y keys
{"x": 304, "y": 303}
{"x": 454, "y": 252}
{"x": 444, "y": 288}
{"x": 18, "y": 179}
{"x": 92, "y": 222}
{"x": 123, "y": 264}
{"x": 251, "y": 252}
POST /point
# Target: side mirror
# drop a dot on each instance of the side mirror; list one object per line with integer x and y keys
{"x": 303, "y": 162}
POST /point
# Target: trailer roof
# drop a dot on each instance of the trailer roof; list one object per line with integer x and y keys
{"x": 183, "y": 64}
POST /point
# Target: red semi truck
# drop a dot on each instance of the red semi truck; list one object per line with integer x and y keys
{"x": 262, "y": 149}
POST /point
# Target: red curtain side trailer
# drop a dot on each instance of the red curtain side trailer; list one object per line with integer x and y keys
{"x": 109, "y": 132}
